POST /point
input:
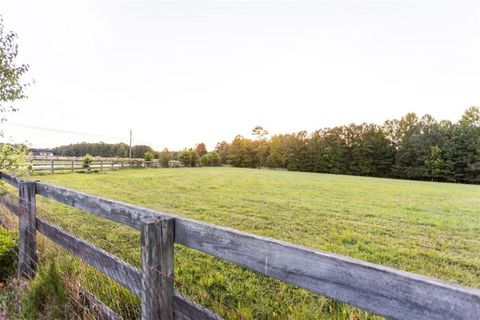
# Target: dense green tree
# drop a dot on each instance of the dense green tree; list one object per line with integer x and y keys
{"x": 148, "y": 156}
{"x": 210, "y": 159}
{"x": 434, "y": 163}
{"x": 416, "y": 145}
{"x": 462, "y": 151}
{"x": 188, "y": 157}
{"x": 99, "y": 149}
{"x": 369, "y": 152}
{"x": 276, "y": 156}
{"x": 296, "y": 151}
{"x": 243, "y": 153}
{"x": 139, "y": 151}
{"x": 327, "y": 151}
{"x": 409, "y": 148}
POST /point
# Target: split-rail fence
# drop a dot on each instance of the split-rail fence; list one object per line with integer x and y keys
{"x": 384, "y": 291}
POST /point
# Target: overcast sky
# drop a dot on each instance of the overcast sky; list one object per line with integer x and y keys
{"x": 179, "y": 73}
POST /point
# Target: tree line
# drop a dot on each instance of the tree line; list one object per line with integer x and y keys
{"x": 98, "y": 149}
{"x": 412, "y": 147}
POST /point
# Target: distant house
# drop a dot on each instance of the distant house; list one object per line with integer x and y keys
{"x": 175, "y": 164}
{"x": 42, "y": 154}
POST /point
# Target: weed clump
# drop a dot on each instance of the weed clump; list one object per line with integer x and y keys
{"x": 8, "y": 253}
{"x": 46, "y": 297}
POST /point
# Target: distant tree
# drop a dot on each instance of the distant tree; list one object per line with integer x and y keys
{"x": 409, "y": 147}
{"x": 12, "y": 158}
{"x": 391, "y": 129}
{"x": 139, "y": 151}
{"x": 98, "y": 149}
{"x": 434, "y": 163}
{"x": 11, "y": 86}
{"x": 471, "y": 117}
{"x": 201, "y": 149}
{"x": 243, "y": 153}
{"x": 222, "y": 148}
{"x": 164, "y": 157}
{"x": 210, "y": 159}
{"x": 259, "y": 133}
{"x": 418, "y": 138}
{"x": 369, "y": 152}
{"x": 396, "y": 130}
{"x": 188, "y": 157}
{"x": 327, "y": 151}
{"x": 297, "y": 155}
{"x": 148, "y": 156}
{"x": 276, "y": 156}
{"x": 462, "y": 151}
{"x": 87, "y": 161}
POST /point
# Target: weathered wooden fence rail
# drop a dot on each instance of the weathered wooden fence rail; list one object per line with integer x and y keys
{"x": 385, "y": 291}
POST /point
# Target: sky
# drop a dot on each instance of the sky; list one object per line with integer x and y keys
{"x": 180, "y": 73}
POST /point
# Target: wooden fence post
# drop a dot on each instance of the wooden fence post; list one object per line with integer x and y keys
{"x": 27, "y": 258}
{"x": 101, "y": 165}
{"x": 52, "y": 166}
{"x": 73, "y": 165}
{"x": 157, "y": 269}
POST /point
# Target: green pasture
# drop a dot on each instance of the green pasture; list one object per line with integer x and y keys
{"x": 427, "y": 228}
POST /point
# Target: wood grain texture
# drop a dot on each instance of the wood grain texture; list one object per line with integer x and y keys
{"x": 120, "y": 271}
{"x": 126, "y": 214}
{"x": 385, "y": 291}
{"x": 27, "y": 233}
{"x": 10, "y": 204}
{"x": 11, "y": 180}
{"x": 98, "y": 308}
{"x": 157, "y": 269}
{"x": 186, "y": 309}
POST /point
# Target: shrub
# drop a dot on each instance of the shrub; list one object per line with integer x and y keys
{"x": 87, "y": 161}
{"x": 210, "y": 159}
{"x": 188, "y": 157}
{"x": 148, "y": 156}
{"x": 8, "y": 253}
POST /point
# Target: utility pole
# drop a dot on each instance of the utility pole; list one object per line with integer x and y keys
{"x": 130, "y": 151}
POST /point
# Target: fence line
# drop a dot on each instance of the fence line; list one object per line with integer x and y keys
{"x": 385, "y": 291}
{"x": 73, "y": 164}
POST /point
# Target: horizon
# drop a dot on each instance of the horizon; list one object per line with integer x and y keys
{"x": 249, "y": 135}
{"x": 181, "y": 73}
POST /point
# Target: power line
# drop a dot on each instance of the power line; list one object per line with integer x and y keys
{"x": 77, "y": 133}
{"x": 60, "y": 131}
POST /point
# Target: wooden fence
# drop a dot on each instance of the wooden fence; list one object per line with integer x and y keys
{"x": 72, "y": 164}
{"x": 385, "y": 291}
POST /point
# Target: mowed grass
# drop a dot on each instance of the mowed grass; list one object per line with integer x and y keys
{"x": 427, "y": 228}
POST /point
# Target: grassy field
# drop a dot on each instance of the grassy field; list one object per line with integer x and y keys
{"x": 426, "y": 228}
